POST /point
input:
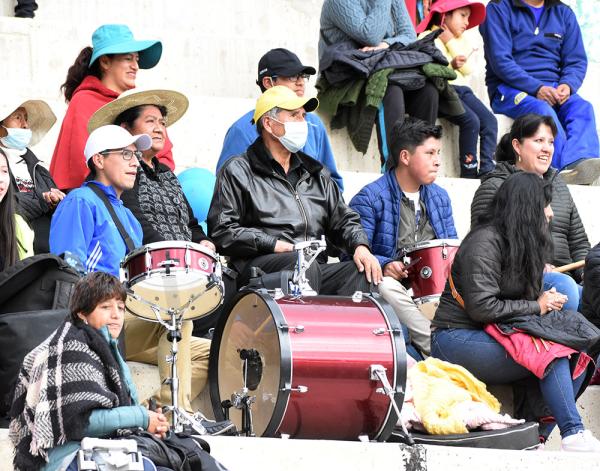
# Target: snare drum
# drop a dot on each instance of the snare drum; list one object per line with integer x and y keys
{"x": 172, "y": 274}
{"x": 428, "y": 275}
{"x": 312, "y": 374}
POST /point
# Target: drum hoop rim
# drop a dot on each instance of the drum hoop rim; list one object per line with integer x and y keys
{"x": 219, "y": 286}
{"x": 285, "y": 373}
{"x": 400, "y": 364}
{"x": 168, "y": 244}
{"x": 132, "y": 281}
{"x": 433, "y": 243}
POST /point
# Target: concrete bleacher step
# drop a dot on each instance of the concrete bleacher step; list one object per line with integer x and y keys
{"x": 265, "y": 454}
{"x": 461, "y": 192}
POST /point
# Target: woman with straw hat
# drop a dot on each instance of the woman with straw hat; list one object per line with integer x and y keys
{"x": 98, "y": 76}
{"x": 23, "y": 123}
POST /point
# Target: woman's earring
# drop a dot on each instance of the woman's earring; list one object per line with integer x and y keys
{"x": 519, "y": 157}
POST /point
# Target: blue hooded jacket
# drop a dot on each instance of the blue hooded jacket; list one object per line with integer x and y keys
{"x": 526, "y": 56}
{"x": 379, "y": 204}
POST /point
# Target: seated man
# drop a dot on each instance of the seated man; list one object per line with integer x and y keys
{"x": 405, "y": 207}
{"x": 536, "y": 62}
{"x": 273, "y": 196}
{"x": 282, "y": 67}
{"x": 158, "y": 203}
{"x": 83, "y": 225}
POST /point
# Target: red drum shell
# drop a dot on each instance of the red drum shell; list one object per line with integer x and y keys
{"x": 428, "y": 276}
{"x": 328, "y": 347}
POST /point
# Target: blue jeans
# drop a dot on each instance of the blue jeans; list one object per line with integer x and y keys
{"x": 566, "y": 285}
{"x": 488, "y": 361}
{"x": 476, "y": 123}
{"x": 577, "y": 137}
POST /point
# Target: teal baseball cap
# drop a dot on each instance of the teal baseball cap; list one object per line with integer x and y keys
{"x": 118, "y": 39}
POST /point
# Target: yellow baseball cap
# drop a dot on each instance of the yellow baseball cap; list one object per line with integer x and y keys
{"x": 282, "y": 97}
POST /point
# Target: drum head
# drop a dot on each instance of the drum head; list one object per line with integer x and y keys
{"x": 251, "y": 324}
{"x": 174, "y": 291}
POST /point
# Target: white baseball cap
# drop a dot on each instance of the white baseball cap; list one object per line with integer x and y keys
{"x": 113, "y": 137}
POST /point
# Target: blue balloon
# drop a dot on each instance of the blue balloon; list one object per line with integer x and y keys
{"x": 198, "y": 185}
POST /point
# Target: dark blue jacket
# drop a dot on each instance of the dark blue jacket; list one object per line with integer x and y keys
{"x": 526, "y": 56}
{"x": 379, "y": 204}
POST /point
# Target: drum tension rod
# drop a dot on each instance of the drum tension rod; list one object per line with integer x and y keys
{"x": 377, "y": 373}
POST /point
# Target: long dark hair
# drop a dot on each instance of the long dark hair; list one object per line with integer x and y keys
{"x": 80, "y": 70}
{"x": 8, "y": 230}
{"x": 522, "y": 127}
{"x": 517, "y": 214}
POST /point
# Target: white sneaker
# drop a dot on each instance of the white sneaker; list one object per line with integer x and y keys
{"x": 582, "y": 441}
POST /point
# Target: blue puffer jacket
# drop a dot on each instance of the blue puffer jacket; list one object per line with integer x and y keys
{"x": 379, "y": 203}
{"x": 526, "y": 56}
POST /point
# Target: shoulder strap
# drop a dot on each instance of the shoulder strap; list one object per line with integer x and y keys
{"x": 455, "y": 294}
{"x": 126, "y": 238}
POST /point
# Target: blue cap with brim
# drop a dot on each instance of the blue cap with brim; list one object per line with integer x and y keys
{"x": 118, "y": 39}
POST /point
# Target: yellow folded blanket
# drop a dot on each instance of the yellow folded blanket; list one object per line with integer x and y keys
{"x": 438, "y": 388}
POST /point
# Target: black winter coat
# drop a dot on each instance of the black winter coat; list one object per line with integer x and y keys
{"x": 591, "y": 287}
{"x": 253, "y": 207}
{"x": 568, "y": 234}
{"x": 32, "y": 206}
{"x": 345, "y": 61}
{"x": 477, "y": 275}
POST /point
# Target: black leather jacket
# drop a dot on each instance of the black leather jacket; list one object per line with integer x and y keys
{"x": 253, "y": 207}
{"x": 568, "y": 234}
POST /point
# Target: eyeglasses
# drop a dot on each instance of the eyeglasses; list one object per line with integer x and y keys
{"x": 293, "y": 78}
{"x": 125, "y": 153}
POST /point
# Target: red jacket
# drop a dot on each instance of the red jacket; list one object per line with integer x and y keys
{"x": 68, "y": 166}
{"x": 534, "y": 353}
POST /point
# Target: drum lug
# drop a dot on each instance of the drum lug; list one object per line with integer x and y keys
{"x": 444, "y": 251}
{"x": 383, "y": 331}
{"x": 357, "y": 296}
{"x": 299, "y": 389}
{"x": 297, "y": 329}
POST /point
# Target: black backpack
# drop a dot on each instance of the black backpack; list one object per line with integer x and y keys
{"x": 34, "y": 300}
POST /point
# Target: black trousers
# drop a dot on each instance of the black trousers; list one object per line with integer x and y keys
{"x": 342, "y": 278}
{"x": 25, "y": 8}
{"x": 422, "y": 103}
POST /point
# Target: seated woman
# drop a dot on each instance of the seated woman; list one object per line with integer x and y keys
{"x": 24, "y": 124}
{"x": 16, "y": 238}
{"x": 373, "y": 25}
{"x": 158, "y": 203}
{"x": 528, "y": 147}
{"x": 498, "y": 274}
{"x": 82, "y": 383}
{"x": 99, "y": 75}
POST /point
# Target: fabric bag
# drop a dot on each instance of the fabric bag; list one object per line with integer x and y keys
{"x": 179, "y": 452}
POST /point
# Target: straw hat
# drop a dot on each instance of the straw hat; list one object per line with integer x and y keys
{"x": 176, "y": 104}
{"x": 39, "y": 116}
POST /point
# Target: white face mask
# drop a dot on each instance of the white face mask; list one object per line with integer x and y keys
{"x": 295, "y": 135}
{"x": 17, "y": 138}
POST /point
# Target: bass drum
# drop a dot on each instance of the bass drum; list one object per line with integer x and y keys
{"x": 311, "y": 373}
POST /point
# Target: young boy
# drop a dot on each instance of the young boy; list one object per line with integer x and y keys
{"x": 454, "y": 17}
{"x": 404, "y": 207}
